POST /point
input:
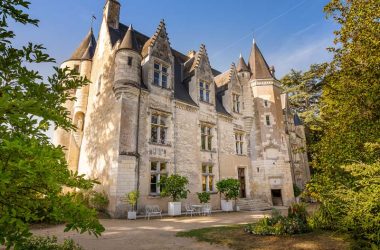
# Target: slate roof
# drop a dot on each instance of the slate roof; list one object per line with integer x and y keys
{"x": 129, "y": 40}
{"x": 86, "y": 49}
{"x": 242, "y": 66}
{"x": 257, "y": 64}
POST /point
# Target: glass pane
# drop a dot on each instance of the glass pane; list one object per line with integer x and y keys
{"x": 162, "y": 120}
{"x": 201, "y": 85}
{"x": 211, "y": 183}
{"x": 156, "y": 78}
{"x": 163, "y": 167}
{"x": 154, "y": 135}
{"x": 157, "y": 66}
{"x": 154, "y": 119}
{"x": 207, "y": 86}
{"x": 210, "y": 169}
{"x": 153, "y": 166}
{"x": 153, "y": 188}
{"x": 204, "y": 181}
{"x": 164, "y": 69}
{"x": 203, "y": 139}
{"x": 204, "y": 167}
{"x": 237, "y": 147}
{"x": 209, "y": 143}
{"x": 164, "y": 81}
{"x": 163, "y": 135}
{"x": 201, "y": 94}
{"x": 203, "y": 129}
{"x": 241, "y": 148}
{"x": 208, "y": 129}
{"x": 207, "y": 96}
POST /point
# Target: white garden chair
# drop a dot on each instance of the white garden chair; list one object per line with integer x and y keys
{"x": 152, "y": 210}
{"x": 206, "y": 209}
{"x": 189, "y": 209}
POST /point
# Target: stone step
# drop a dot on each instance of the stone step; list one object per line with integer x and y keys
{"x": 253, "y": 205}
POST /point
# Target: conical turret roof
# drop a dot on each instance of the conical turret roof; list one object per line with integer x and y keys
{"x": 86, "y": 49}
{"x": 257, "y": 64}
{"x": 242, "y": 66}
{"x": 129, "y": 41}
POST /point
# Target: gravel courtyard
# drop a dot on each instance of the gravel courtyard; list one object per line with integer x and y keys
{"x": 152, "y": 234}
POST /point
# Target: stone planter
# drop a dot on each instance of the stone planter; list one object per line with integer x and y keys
{"x": 132, "y": 215}
{"x": 174, "y": 208}
{"x": 227, "y": 205}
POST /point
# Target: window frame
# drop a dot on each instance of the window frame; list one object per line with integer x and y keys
{"x": 236, "y": 104}
{"x": 204, "y": 91}
{"x": 161, "y": 74}
{"x": 160, "y": 127}
{"x": 239, "y": 143}
{"x": 268, "y": 121}
{"x": 158, "y": 173}
{"x": 207, "y": 134}
{"x": 206, "y": 175}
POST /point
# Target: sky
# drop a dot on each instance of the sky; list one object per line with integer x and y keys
{"x": 291, "y": 34}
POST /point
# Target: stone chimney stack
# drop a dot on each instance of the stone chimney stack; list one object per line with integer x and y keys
{"x": 112, "y": 13}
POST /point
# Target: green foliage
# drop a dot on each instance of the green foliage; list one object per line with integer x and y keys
{"x": 297, "y": 191}
{"x": 294, "y": 223}
{"x": 99, "y": 201}
{"x": 174, "y": 187}
{"x": 33, "y": 172}
{"x": 132, "y": 198}
{"x": 204, "y": 197}
{"x": 347, "y": 158}
{"x": 229, "y": 188}
{"x": 49, "y": 243}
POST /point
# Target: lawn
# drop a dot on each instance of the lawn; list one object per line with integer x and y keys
{"x": 235, "y": 238}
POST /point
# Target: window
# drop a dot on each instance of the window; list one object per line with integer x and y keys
{"x": 76, "y": 68}
{"x": 204, "y": 92}
{"x": 266, "y": 103}
{"x": 158, "y": 129}
{"x": 206, "y": 137}
{"x": 129, "y": 61}
{"x": 236, "y": 103}
{"x": 239, "y": 141}
{"x": 157, "y": 171}
{"x": 207, "y": 178}
{"x": 160, "y": 75}
{"x": 267, "y": 119}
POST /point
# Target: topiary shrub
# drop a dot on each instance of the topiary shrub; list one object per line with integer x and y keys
{"x": 204, "y": 197}
{"x": 48, "y": 243}
{"x": 132, "y": 198}
{"x": 174, "y": 187}
{"x": 229, "y": 188}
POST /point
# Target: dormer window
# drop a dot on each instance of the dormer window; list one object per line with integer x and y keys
{"x": 236, "y": 103}
{"x": 160, "y": 75}
{"x": 204, "y": 92}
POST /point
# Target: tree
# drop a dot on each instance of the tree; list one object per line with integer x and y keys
{"x": 33, "y": 171}
{"x": 174, "y": 187}
{"x": 348, "y": 155}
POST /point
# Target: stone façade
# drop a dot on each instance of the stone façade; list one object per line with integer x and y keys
{"x": 113, "y": 142}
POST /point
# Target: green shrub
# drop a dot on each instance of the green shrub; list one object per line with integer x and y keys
{"x": 132, "y": 198}
{"x": 297, "y": 191}
{"x": 229, "y": 188}
{"x": 204, "y": 197}
{"x": 295, "y": 223}
{"x": 174, "y": 187}
{"x": 48, "y": 243}
{"x": 99, "y": 201}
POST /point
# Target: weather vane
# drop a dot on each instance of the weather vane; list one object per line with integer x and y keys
{"x": 93, "y": 17}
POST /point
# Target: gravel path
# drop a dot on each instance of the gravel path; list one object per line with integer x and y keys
{"x": 152, "y": 234}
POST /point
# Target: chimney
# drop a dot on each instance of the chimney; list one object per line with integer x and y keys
{"x": 112, "y": 13}
{"x": 272, "y": 70}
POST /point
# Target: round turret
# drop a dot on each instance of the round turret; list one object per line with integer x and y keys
{"x": 127, "y": 63}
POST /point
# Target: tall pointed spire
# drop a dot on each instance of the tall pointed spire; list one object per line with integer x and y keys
{"x": 86, "y": 49}
{"x": 242, "y": 66}
{"x": 257, "y": 64}
{"x": 129, "y": 41}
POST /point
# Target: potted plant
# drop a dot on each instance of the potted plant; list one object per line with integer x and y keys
{"x": 204, "y": 197}
{"x": 229, "y": 188}
{"x": 132, "y": 198}
{"x": 174, "y": 187}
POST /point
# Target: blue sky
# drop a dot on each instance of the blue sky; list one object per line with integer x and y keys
{"x": 290, "y": 33}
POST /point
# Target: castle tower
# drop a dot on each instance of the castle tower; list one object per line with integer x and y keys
{"x": 81, "y": 61}
{"x": 127, "y": 90}
{"x": 270, "y": 156}
{"x": 243, "y": 71}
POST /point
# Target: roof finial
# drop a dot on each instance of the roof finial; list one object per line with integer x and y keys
{"x": 130, "y": 27}
{"x": 93, "y": 17}
{"x": 240, "y": 55}
{"x": 253, "y": 40}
